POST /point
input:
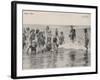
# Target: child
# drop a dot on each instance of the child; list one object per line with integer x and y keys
{"x": 86, "y": 38}
{"x": 48, "y": 39}
{"x": 72, "y": 34}
{"x": 32, "y": 48}
{"x": 49, "y": 45}
{"x": 32, "y": 35}
{"x": 61, "y": 38}
{"x": 55, "y": 41}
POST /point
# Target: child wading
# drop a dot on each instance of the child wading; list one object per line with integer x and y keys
{"x": 72, "y": 34}
{"x": 55, "y": 41}
{"x": 48, "y": 39}
{"x": 86, "y": 38}
{"x": 61, "y": 38}
{"x": 32, "y": 48}
{"x": 33, "y": 44}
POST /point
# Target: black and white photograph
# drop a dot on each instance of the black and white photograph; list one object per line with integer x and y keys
{"x": 53, "y": 40}
{"x": 54, "y": 44}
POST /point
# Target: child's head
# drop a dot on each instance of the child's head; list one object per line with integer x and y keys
{"x": 61, "y": 33}
{"x": 27, "y": 28}
{"x": 37, "y": 31}
{"x": 71, "y": 27}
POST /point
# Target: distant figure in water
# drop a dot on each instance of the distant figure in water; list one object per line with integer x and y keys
{"x": 55, "y": 41}
{"x": 24, "y": 38}
{"x": 32, "y": 36}
{"x": 61, "y": 38}
{"x": 72, "y": 34}
{"x": 48, "y": 39}
{"x": 86, "y": 38}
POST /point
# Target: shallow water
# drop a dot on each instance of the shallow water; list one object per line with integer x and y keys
{"x": 64, "y": 58}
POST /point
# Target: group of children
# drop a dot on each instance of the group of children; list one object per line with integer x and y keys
{"x": 39, "y": 41}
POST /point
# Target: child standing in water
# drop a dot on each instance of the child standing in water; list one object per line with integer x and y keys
{"x": 86, "y": 38}
{"x": 61, "y": 38}
{"x": 56, "y": 41}
{"x": 72, "y": 34}
{"x": 32, "y": 48}
{"x": 48, "y": 39}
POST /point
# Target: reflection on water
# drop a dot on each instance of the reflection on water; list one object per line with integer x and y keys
{"x": 64, "y": 58}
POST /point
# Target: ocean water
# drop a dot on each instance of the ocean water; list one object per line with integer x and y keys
{"x": 64, "y": 58}
{"x": 69, "y": 55}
